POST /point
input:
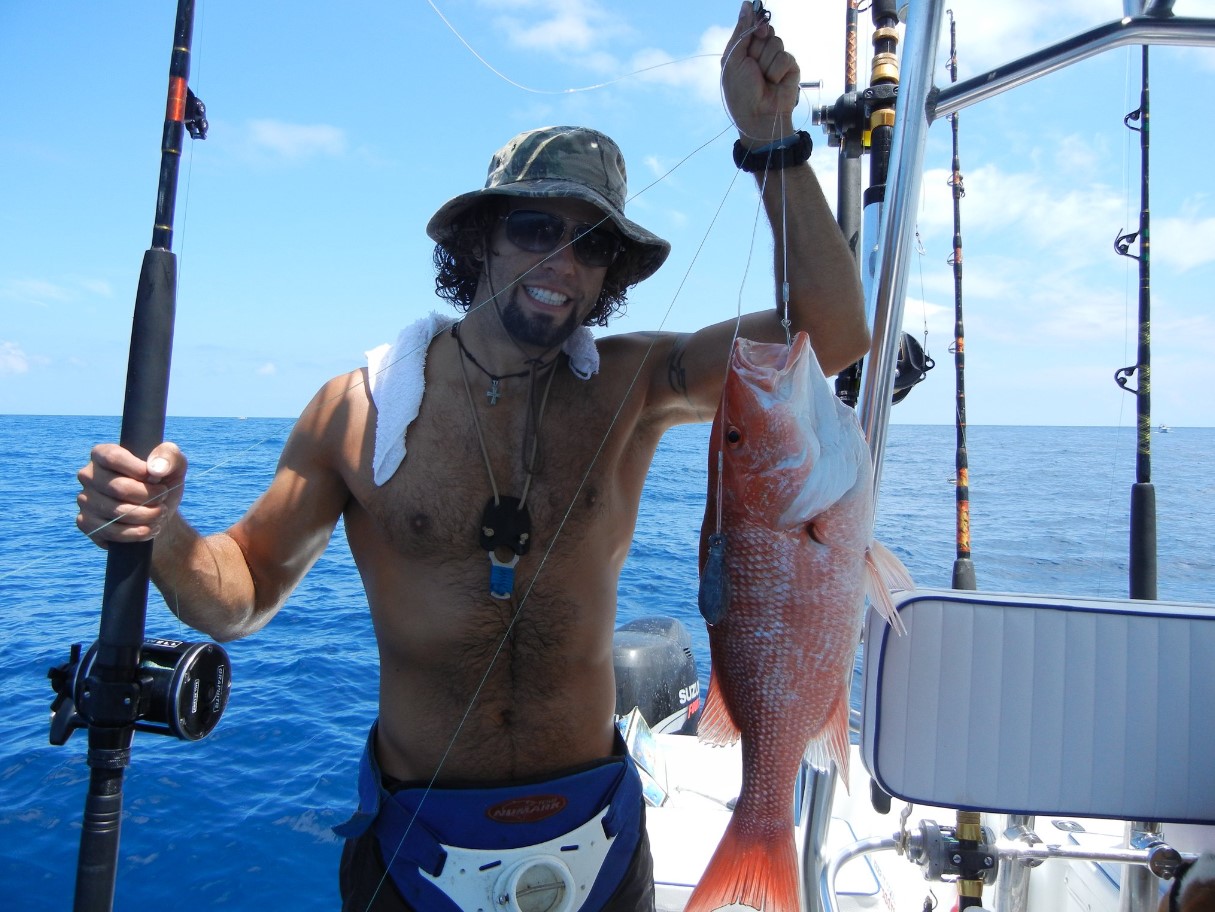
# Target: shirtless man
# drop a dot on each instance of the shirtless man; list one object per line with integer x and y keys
{"x": 478, "y": 667}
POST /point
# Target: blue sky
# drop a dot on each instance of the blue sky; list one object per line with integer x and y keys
{"x": 337, "y": 129}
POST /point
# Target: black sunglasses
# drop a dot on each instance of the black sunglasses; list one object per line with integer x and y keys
{"x": 541, "y": 232}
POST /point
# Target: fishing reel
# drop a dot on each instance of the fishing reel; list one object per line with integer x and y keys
{"x": 943, "y": 855}
{"x": 180, "y": 689}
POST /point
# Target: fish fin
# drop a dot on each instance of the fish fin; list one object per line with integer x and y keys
{"x": 886, "y": 574}
{"x": 749, "y": 869}
{"x": 716, "y": 725}
{"x": 831, "y": 745}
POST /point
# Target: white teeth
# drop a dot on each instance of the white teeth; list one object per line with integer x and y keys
{"x": 544, "y": 296}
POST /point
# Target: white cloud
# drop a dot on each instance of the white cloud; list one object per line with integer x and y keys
{"x": 267, "y": 370}
{"x": 565, "y": 32}
{"x": 98, "y": 287}
{"x": 34, "y": 291}
{"x": 699, "y": 73}
{"x": 297, "y": 141}
{"x": 559, "y": 27}
{"x": 918, "y": 313}
{"x": 12, "y": 359}
{"x": 1183, "y": 243}
{"x": 43, "y": 293}
{"x": 990, "y": 34}
{"x": 1195, "y": 332}
{"x": 1072, "y": 221}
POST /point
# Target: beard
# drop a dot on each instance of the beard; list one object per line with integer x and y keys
{"x": 537, "y": 330}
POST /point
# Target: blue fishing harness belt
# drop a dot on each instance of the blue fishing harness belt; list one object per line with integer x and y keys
{"x": 450, "y": 849}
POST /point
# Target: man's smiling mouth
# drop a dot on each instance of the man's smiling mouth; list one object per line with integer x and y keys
{"x": 544, "y": 296}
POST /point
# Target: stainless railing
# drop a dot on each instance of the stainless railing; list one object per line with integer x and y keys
{"x": 885, "y": 262}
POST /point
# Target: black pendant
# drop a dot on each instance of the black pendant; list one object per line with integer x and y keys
{"x": 506, "y": 524}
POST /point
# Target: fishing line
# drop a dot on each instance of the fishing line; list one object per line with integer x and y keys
{"x": 923, "y": 252}
{"x": 523, "y": 599}
{"x": 637, "y": 373}
{"x": 569, "y": 91}
{"x": 199, "y": 473}
{"x": 718, "y": 483}
{"x": 1129, "y": 141}
{"x": 658, "y": 180}
{"x": 406, "y": 355}
{"x": 615, "y": 418}
{"x": 662, "y": 323}
{"x": 196, "y": 58}
{"x": 189, "y": 174}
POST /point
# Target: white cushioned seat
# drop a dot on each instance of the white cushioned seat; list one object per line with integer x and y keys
{"x": 1038, "y": 705}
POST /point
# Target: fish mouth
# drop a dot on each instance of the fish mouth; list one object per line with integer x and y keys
{"x": 765, "y": 365}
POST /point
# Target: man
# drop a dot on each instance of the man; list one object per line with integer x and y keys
{"x": 489, "y": 480}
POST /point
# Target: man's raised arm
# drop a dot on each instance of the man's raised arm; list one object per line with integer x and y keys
{"x": 760, "y": 81}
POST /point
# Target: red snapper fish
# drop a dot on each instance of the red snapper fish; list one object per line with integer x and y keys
{"x": 787, "y": 554}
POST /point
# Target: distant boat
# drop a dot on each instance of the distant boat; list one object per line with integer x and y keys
{"x": 1163, "y": 428}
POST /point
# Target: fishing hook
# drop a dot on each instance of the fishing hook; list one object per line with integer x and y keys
{"x": 761, "y": 14}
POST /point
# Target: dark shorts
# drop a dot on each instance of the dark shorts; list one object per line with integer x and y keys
{"x": 441, "y": 849}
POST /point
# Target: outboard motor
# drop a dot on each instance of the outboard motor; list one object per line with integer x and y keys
{"x": 656, "y": 673}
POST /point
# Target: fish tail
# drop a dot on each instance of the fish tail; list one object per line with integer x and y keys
{"x": 752, "y": 869}
{"x": 831, "y": 745}
{"x": 716, "y": 725}
{"x": 1193, "y": 887}
{"x": 886, "y": 573}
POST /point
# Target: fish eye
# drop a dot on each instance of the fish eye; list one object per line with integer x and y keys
{"x": 734, "y": 436}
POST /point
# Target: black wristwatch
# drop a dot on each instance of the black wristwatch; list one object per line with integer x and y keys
{"x": 784, "y": 153}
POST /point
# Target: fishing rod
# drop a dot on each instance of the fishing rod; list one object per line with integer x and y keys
{"x": 963, "y": 565}
{"x": 861, "y": 122}
{"x": 1143, "y": 493}
{"x": 124, "y": 682}
{"x": 968, "y": 829}
{"x": 1139, "y": 886}
{"x": 852, "y": 147}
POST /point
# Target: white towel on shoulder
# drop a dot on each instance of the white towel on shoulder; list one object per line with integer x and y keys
{"x": 396, "y": 378}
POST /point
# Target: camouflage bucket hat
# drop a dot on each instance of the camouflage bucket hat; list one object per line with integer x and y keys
{"x": 562, "y": 162}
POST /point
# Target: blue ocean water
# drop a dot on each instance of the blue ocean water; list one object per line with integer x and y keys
{"x": 241, "y": 820}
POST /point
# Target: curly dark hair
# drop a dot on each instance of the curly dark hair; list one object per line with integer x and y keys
{"x": 458, "y": 264}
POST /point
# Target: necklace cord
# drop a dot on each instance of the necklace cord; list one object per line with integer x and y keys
{"x": 477, "y": 364}
{"x": 477, "y": 425}
{"x": 535, "y": 415}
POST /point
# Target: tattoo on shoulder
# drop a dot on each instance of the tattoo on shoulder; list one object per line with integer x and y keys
{"x": 676, "y": 375}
